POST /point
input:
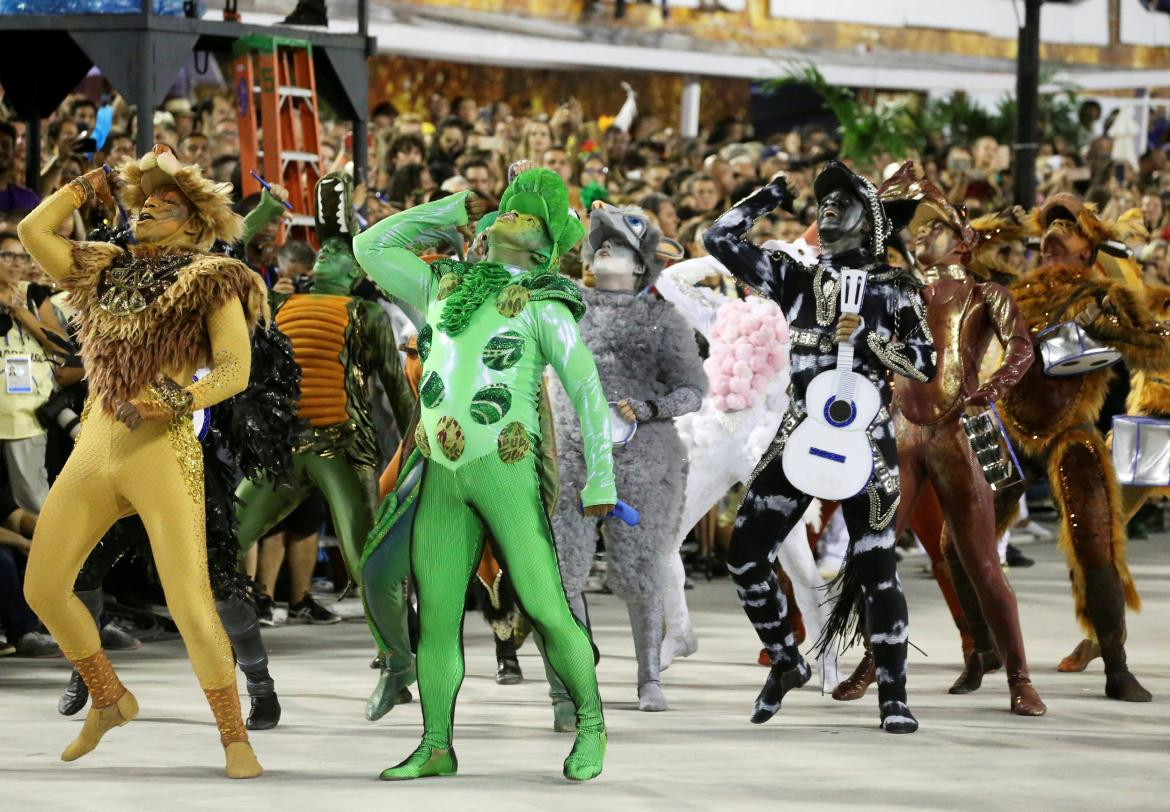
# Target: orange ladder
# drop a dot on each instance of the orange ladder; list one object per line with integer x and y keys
{"x": 276, "y": 97}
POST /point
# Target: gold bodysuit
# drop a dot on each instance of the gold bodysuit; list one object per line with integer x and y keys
{"x": 148, "y": 319}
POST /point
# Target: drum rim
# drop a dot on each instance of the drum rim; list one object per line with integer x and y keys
{"x": 632, "y": 424}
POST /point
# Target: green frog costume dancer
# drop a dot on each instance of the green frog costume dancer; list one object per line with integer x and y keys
{"x": 339, "y": 341}
{"x": 491, "y": 327}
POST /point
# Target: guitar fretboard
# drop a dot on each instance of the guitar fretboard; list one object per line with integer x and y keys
{"x": 852, "y": 289}
{"x": 845, "y": 374}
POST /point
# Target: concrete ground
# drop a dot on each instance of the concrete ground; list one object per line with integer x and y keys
{"x": 1088, "y": 753}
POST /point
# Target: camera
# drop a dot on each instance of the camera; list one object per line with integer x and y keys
{"x": 58, "y": 411}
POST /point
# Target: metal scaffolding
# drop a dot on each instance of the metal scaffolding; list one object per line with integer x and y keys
{"x": 43, "y": 58}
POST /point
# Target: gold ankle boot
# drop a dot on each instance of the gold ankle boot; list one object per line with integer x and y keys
{"x": 112, "y": 706}
{"x": 225, "y": 706}
{"x": 241, "y": 761}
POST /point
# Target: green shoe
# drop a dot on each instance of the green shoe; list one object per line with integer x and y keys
{"x": 564, "y": 716}
{"x": 588, "y": 753}
{"x": 424, "y": 762}
{"x": 390, "y": 691}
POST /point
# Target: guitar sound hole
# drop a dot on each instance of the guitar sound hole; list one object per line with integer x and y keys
{"x": 840, "y": 411}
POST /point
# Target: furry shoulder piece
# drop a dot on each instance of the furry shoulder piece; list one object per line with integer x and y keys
{"x": 1055, "y": 293}
{"x": 124, "y": 353}
{"x": 212, "y": 201}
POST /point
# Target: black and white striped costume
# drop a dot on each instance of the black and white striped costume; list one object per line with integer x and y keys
{"x": 895, "y": 337}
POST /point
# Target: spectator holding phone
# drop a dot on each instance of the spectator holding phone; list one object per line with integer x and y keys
{"x": 13, "y": 196}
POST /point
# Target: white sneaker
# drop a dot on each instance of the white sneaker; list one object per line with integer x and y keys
{"x": 829, "y": 567}
{"x": 1030, "y": 531}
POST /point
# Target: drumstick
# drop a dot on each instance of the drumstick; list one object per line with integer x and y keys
{"x": 268, "y": 188}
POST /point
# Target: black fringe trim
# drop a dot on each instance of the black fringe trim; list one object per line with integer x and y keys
{"x": 846, "y": 624}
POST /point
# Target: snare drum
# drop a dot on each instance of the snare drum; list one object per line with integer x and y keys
{"x": 1067, "y": 350}
{"x": 992, "y": 449}
{"x": 201, "y": 419}
{"x": 621, "y": 429}
{"x": 1141, "y": 450}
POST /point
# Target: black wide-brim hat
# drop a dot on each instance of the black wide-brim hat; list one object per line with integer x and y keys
{"x": 837, "y": 176}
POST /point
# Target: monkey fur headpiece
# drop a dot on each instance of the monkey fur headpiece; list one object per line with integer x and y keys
{"x": 210, "y": 202}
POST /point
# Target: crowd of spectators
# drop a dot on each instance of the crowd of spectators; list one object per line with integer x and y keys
{"x": 453, "y": 144}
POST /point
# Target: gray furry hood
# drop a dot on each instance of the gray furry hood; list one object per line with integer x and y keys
{"x": 630, "y": 225}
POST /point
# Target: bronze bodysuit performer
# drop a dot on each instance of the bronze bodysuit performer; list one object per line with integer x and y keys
{"x": 964, "y": 316}
{"x": 148, "y": 318}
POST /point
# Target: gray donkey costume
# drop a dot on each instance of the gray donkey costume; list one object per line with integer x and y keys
{"x": 647, "y": 356}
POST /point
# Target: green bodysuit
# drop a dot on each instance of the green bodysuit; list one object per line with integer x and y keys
{"x": 340, "y": 341}
{"x": 490, "y": 330}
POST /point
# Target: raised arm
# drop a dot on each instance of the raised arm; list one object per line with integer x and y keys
{"x": 561, "y": 343}
{"x": 66, "y": 261}
{"x": 753, "y": 266}
{"x": 38, "y": 232}
{"x": 1127, "y": 324}
{"x": 267, "y": 210}
{"x": 910, "y": 350}
{"x": 699, "y": 306}
{"x": 384, "y": 249}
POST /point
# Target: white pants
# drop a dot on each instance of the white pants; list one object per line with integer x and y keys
{"x": 25, "y": 462}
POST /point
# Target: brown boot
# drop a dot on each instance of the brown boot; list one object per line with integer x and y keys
{"x": 856, "y": 684}
{"x": 1080, "y": 657}
{"x": 1025, "y": 700}
{"x": 976, "y": 665}
{"x": 1105, "y": 606}
{"x": 113, "y": 706}
{"x": 225, "y": 706}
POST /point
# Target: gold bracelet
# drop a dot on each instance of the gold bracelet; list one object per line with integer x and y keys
{"x": 81, "y": 192}
{"x": 176, "y": 398}
{"x": 81, "y": 185}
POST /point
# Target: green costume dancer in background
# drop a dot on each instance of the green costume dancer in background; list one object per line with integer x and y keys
{"x": 491, "y": 328}
{"x": 339, "y": 341}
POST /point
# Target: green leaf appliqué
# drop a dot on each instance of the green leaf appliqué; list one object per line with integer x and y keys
{"x": 490, "y": 404}
{"x": 503, "y": 351}
{"x": 431, "y": 390}
{"x": 512, "y": 300}
{"x": 447, "y": 284}
{"x": 450, "y": 436}
{"x": 425, "y": 336}
{"x": 513, "y": 443}
{"x": 422, "y": 441}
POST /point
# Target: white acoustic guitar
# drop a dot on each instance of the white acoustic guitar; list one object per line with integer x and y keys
{"x": 828, "y": 455}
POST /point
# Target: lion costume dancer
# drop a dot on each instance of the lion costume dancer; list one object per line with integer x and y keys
{"x": 650, "y": 368}
{"x": 1052, "y": 418}
{"x": 727, "y": 437}
{"x": 891, "y": 334}
{"x": 964, "y": 316}
{"x": 1149, "y": 396}
{"x": 339, "y": 340}
{"x": 491, "y": 328}
{"x": 148, "y": 317}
